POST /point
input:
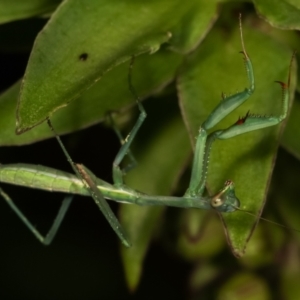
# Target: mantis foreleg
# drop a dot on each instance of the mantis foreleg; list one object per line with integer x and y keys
{"x": 89, "y": 181}
{"x": 226, "y": 106}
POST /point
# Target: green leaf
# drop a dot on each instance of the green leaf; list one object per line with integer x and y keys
{"x": 159, "y": 167}
{"x": 81, "y": 42}
{"x": 247, "y": 159}
{"x": 284, "y": 14}
{"x": 150, "y": 73}
{"x": 20, "y": 9}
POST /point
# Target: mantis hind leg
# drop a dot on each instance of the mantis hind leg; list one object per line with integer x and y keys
{"x": 124, "y": 150}
{"x": 47, "y": 239}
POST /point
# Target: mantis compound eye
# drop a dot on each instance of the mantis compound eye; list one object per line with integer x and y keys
{"x": 216, "y": 201}
{"x": 225, "y": 200}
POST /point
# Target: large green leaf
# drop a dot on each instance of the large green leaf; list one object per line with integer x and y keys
{"x": 150, "y": 73}
{"x": 247, "y": 159}
{"x": 83, "y": 41}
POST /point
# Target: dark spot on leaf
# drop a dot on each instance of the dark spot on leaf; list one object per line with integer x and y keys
{"x": 83, "y": 56}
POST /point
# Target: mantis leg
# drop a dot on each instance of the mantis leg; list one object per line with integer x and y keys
{"x": 88, "y": 176}
{"x": 124, "y": 150}
{"x": 226, "y": 106}
{"x": 132, "y": 164}
{"x": 89, "y": 180}
{"x": 253, "y": 122}
{"x": 243, "y": 125}
{"x": 46, "y": 240}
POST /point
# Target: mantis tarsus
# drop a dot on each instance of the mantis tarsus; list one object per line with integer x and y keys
{"x": 84, "y": 182}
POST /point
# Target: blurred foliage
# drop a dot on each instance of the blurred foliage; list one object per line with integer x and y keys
{"x": 77, "y": 69}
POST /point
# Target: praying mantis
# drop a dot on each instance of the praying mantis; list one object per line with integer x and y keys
{"x": 84, "y": 182}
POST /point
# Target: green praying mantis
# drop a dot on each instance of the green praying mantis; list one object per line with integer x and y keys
{"x": 85, "y": 183}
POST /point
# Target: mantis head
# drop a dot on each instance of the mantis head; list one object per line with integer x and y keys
{"x": 225, "y": 200}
